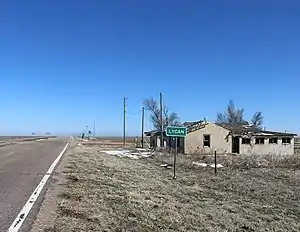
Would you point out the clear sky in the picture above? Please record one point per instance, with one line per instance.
(66, 63)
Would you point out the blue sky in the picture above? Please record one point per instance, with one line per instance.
(66, 63)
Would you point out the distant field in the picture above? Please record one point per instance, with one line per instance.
(112, 141)
(14, 138)
(119, 140)
(4, 138)
(116, 138)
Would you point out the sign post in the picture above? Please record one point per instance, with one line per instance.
(174, 164)
(174, 131)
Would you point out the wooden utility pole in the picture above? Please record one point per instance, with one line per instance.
(124, 122)
(143, 116)
(87, 132)
(94, 130)
(161, 122)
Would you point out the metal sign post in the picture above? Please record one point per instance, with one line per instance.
(174, 163)
(175, 132)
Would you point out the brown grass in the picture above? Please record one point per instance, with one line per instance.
(110, 141)
(107, 193)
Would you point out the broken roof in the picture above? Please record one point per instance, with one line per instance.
(237, 130)
(152, 132)
(248, 129)
(191, 126)
(196, 125)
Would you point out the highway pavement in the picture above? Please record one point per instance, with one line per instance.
(22, 167)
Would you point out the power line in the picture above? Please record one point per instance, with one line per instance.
(133, 113)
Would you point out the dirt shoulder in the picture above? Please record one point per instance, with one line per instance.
(100, 192)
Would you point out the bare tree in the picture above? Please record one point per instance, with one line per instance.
(257, 120)
(169, 119)
(233, 116)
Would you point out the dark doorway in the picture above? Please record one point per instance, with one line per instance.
(180, 144)
(236, 145)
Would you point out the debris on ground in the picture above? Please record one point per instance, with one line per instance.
(218, 166)
(200, 164)
(205, 165)
(132, 154)
(164, 165)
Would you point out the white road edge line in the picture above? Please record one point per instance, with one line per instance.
(16, 225)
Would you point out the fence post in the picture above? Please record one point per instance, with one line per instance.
(215, 162)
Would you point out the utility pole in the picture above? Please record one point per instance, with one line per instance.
(94, 130)
(161, 121)
(124, 122)
(143, 113)
(87, 132)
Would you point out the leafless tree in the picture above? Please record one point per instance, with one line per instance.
(233, 116)
(257, 120)
(169, 119)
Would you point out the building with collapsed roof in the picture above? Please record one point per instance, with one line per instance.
(206, 137)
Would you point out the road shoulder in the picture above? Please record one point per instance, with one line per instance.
(47, 214)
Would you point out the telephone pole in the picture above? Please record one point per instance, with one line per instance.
(94, 130)
(143, 113)
(161, 121)
(124, 122)
(87, 132)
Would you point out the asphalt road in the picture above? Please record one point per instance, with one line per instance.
(22, 166)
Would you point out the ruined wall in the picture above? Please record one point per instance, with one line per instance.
(218, 141)
(267, 149)
(158, 141)
(297, 145)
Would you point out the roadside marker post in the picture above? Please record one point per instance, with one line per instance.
(174, 163)
(215, 162)
(176, 132)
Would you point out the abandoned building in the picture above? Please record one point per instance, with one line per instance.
(206, 137)
(169, 142)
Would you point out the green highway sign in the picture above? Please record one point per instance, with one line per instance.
(176, 131)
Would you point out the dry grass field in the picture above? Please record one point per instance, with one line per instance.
(115, 141)
(7, 138)
(108, 193)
